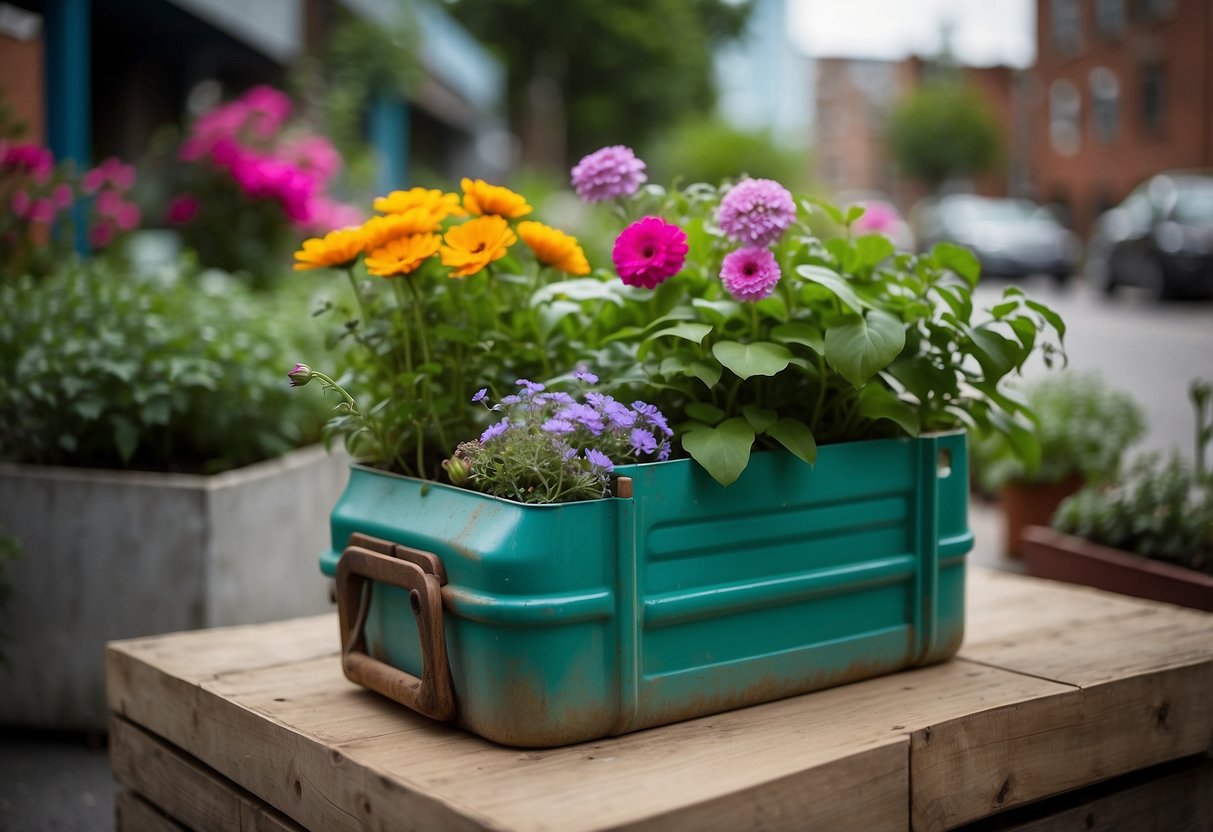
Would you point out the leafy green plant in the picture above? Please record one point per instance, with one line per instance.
(1161, 510)
(1083, 428)
(102, 368)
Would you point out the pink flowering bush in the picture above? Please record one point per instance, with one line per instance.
(39, 199)
(726, 307)
(256, 181)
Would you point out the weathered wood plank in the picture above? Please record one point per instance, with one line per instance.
(183, 788)
(133, 814)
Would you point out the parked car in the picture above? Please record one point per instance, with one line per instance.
(1160, 238)
(1011, 237)
(881, 216)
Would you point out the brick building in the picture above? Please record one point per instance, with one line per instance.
(1126, 91)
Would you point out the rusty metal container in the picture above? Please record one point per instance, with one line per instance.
(546, 625)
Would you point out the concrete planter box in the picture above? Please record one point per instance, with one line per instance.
(110, 555)
(1063, 557)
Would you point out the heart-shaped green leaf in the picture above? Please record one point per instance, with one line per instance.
(688, 330)
(761, 358)
(835, 282)
(723, 451)
(760, 418)
(877, 402)
(858, 348)
(800, 333)
(959, 259)
(704, 412)
(795, 435)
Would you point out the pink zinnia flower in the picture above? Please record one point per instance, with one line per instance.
(755, 212)
(127, 216)
(20, 203)
(107, 202)
(877, 216)
(62, 196)
(607, 173)
(182, 209)
(42, 210)
(101, 234)
(31, 158)
(649, 251)
(750, 274)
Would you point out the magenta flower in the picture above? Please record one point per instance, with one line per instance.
(20, 203)
(101, 234)
(649, 251)
(42, 210)
(750, 274)
(62, 196)
(31, 159)
(128, 216)
(182, 209)
(608, 173)
(877, 216)
(300, 375)
(756, 212)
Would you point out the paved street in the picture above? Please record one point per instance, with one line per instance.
(1149, 350)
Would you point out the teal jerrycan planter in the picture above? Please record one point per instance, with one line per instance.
(544, 625)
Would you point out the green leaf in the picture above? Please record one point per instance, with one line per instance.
(871, 249)
(859, 348)
(88, 408)
(959, 259)
(1001, 310)
(795, 435)
(1023, 441)
(1049, 315)
(126, 436)
(854, 212)
(1025, 330)
(723, 451)
(761, 358)
(832, 211)
(704, 412)
(958, 300)
(760, 418)
(800, 333)
(835, 282)
(877, 402)
(706, 371)
(155, 412)
(996, 354)
(719, 310)
(688, 330)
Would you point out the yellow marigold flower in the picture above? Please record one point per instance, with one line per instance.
(554, 248)
(402, 255)
(437, 204)
(337, 248)
(476, 243)
(377, 231)
(480, 197)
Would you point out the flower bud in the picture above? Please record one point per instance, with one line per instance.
(457, 470)
(300, 376)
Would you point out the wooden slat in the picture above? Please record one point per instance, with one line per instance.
(183, 788)
(269, 709)
(133, 814)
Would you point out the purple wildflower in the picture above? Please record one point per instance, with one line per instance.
(608, 173)
(618, 414)
(493, 431)
(481, 394)
(750, 274)
(569, 453)
(558, 426)
(643, 441)
(511, 399)
(663, 450)
(585, 375)
(597, 399)
(583, 414)
(531, 387)
(559, 398)
(599, 460)
(653, 416)
(756, 212)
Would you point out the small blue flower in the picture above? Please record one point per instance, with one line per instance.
(493, 431)
(481, 394)
(583, 374)
(510, 399)
(584, 415)
(558, 426)
(530, 387)
(618, 414)
(663, 450)
(599, 460)
(643, 441)
(560, 398)
(653, 416)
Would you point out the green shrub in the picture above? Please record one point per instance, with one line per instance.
(1083, 427)
(99, 368)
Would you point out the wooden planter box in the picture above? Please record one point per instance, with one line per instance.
(116, 554)
(1062, 557)
(1031, 504)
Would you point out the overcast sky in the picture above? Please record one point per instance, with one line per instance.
(984, 32)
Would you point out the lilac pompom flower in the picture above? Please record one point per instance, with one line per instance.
(756, 212)
(608, 173)
(649, 251)
(750, 274)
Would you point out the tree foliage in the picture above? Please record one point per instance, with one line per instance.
(944, 130)
(622, 69)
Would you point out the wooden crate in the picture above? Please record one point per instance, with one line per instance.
(1057, 688)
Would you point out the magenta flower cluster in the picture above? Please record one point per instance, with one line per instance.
(649, 251)
(250, 141)
(608, 173)
(756, 212)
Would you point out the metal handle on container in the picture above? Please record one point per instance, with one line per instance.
(368, 559)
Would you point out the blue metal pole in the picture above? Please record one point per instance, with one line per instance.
(389, 136)
(66, 26)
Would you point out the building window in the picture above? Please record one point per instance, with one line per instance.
(1065, 109)
(1111, 16)
(1153, 97)
(1105, 104)
(1067, 26)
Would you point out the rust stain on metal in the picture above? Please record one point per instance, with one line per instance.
(458, 542)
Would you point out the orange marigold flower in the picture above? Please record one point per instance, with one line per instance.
(402, 255)
(337, 248)
(437, 204)
(476, 243)
(554, 248)
(377, 231)
(480, 197)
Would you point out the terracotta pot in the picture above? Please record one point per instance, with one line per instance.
(1031, 504)
(1062, 557)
